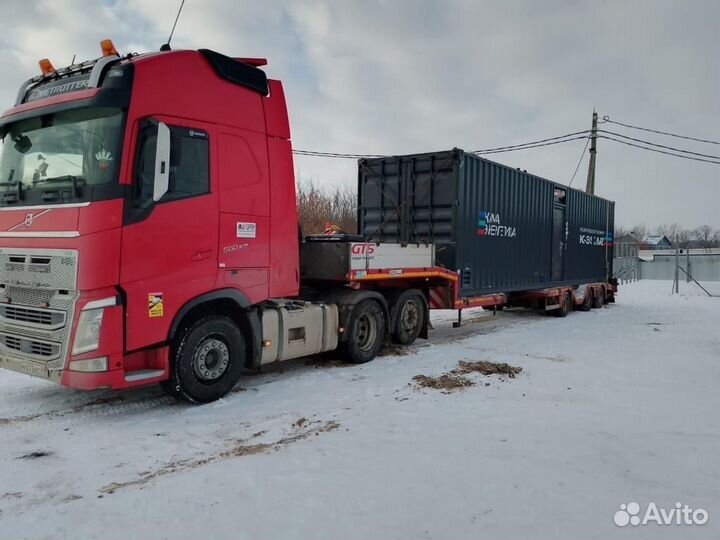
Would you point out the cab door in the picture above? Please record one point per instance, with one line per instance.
(169, 239)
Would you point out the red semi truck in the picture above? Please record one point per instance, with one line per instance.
(149, 234)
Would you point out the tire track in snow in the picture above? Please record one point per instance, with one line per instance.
(240, 448)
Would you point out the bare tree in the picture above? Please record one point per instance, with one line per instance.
(640, 232)
(682, 238)
(621, 231)
(706, 236)
(670, 231)
(319, 208)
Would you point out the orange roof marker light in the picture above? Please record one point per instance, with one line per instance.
(108, 49)
(46, 66)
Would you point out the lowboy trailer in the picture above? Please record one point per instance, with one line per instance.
(148, 234)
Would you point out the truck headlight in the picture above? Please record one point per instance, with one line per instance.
(87, 335)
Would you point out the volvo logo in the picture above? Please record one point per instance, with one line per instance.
(29, 220)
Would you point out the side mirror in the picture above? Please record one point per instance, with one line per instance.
(161, 181)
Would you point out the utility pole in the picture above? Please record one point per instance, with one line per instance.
(590, 188)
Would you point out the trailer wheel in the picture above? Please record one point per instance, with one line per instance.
(207, 360)
(565, 306)
(598, 298)
(587, 301)
(409, 315)
(365, 333)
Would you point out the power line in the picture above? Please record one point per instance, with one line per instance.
(582, 155)
(568, 137)
(513, 149)
(658, 151)
(521, 145)
(339, 155)
(659, 145)
(606, 119)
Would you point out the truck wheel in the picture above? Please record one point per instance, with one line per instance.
(365, 332)
(207, 360)
(410, 313)
(565, 306)
(587, 301)
(598, 299)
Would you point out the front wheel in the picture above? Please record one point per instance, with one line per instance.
(207, 360)
(365, 333)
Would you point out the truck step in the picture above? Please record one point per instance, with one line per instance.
(142, 374)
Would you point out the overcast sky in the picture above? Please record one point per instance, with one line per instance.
(396, 76)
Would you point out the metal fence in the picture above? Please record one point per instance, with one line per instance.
(701, 267)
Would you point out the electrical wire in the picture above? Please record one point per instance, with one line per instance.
(582, 155)
(568, 137)
(339, 155)
(606, 119)
(522, 145)
(672, 148)
(658, 151)
(487, 152)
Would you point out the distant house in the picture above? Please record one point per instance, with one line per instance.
(626, 246)
(656, 242)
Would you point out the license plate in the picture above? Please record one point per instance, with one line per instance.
(23, 366)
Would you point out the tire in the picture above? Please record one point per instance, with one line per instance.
(565, 306)
(598, 299)
(206, 361)
(365, 333)
(409, 315)
(587, 301)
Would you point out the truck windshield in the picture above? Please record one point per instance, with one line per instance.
(60, 157)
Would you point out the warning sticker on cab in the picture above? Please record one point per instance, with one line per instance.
(155, 304)
(246, 230)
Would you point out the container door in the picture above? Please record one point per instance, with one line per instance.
(558, 243)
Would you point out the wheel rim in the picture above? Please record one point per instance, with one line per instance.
(366, 332)
(410, 316)
(210, 359)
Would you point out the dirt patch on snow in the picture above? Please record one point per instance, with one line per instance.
(238, 449)
(446, 382)
(456, 379)
(486, 368)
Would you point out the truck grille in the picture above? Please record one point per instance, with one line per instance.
(30, 347)
(31, 316)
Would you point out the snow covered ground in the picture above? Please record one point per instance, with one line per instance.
(612, 406)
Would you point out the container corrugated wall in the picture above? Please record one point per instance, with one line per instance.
(505, 230)
(590, 235)
(502, 230)
(409, 199)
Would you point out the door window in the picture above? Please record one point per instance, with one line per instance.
(189, 163)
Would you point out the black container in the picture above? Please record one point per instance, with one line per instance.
(505, 230)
